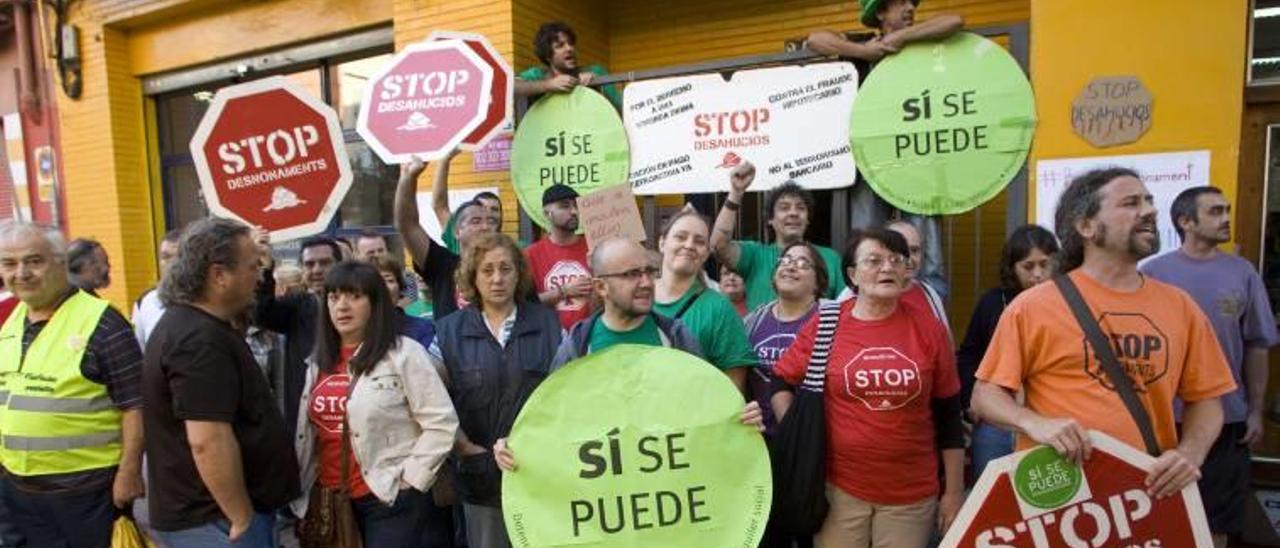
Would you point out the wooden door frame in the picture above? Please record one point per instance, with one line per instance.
(1261, 110)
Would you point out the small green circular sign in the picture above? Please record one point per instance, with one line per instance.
(636, 446)
(941, 127)
(576, 139)
(1046, 480)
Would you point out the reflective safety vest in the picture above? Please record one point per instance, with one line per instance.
(54, 420)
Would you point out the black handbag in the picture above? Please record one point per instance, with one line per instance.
(1107, 358)
(798, 448)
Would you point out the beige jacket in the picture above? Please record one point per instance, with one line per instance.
(402, 425)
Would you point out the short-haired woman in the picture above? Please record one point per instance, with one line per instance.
(375, 418)
(892, 402)
(495, 351)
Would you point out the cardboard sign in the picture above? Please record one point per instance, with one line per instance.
(573, 138)
(1035, 498)
(268, 153)
(941, 127)
(1165, 174)
(425, 101)
(610, 212)
(1112, 111)
(688, 133)
(636, 446)
(501, 113)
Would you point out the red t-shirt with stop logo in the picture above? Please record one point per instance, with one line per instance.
(554, 266)
(327, 406)
(881, 379)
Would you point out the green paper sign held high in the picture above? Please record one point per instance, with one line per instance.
(576, 139)
(636, 446)
(942, 127)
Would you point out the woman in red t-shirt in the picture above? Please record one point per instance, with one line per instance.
(378, 387)
(892, 402)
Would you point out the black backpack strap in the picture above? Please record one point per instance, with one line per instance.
(1103, 352)
(816, 375)
(685, 307)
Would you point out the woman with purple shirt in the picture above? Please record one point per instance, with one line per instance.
(799, 279)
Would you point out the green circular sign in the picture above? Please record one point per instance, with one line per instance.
(636, 446)
(572, 138)
(1046, 480)
(941, 127)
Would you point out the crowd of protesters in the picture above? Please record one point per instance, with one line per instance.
(344, 395)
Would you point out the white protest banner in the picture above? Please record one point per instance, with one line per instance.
(687, 133)
(1166, 174)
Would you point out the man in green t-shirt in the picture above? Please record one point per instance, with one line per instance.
(622, 275)
(788, 205)
(556, 46)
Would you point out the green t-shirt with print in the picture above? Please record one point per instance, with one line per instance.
(535, 74)
(715, 323)
(757, 260)
(602, 337)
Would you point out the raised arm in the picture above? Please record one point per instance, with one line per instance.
(826, 42)
(936, 28)
(440, 189)
(727, 250)
(405, 216)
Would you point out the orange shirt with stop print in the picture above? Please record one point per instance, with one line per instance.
(1158, 334)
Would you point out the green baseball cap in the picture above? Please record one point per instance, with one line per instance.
(869, 9)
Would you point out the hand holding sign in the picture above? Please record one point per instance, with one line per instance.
(741, 177)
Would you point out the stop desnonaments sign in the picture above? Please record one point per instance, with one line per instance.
(269, 153)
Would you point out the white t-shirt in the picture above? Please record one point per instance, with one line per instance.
(146, 314)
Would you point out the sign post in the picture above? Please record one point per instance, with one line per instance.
(942, 127)
(1035, 498)
(636, 446)
(426, 101)
(269, 154)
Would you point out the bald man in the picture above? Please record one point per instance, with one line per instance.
(623, 277)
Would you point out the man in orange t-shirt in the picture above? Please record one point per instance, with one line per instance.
(1107, 223)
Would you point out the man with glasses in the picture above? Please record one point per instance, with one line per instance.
(433, 262)
(624, 274)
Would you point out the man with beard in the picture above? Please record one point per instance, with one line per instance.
(558, 261)
(1166, 346)
(788, 206)
(88, 265)
(1230, 292)
(623, 279)
(557, 47)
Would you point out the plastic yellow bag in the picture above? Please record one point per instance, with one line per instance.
(125, 534)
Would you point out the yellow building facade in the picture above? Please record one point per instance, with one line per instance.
(117, 142)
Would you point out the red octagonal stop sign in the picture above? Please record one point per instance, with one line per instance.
(1036, 499)
(428, 99)
(270, 154)
(501, 107)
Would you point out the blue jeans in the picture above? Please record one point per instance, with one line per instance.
(59, 519)
(989, 443)
(400, 524)
(261, 534)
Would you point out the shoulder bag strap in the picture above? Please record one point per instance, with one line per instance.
(685, 307)
(1102, 351)
(816, 375)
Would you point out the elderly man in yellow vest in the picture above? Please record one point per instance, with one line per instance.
(70, 379)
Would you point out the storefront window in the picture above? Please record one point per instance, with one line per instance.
(178, 113)
(1265, 61)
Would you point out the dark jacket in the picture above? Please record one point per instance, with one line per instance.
(293, 316)
(674, 335)
(982, 326)
(489, 383)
